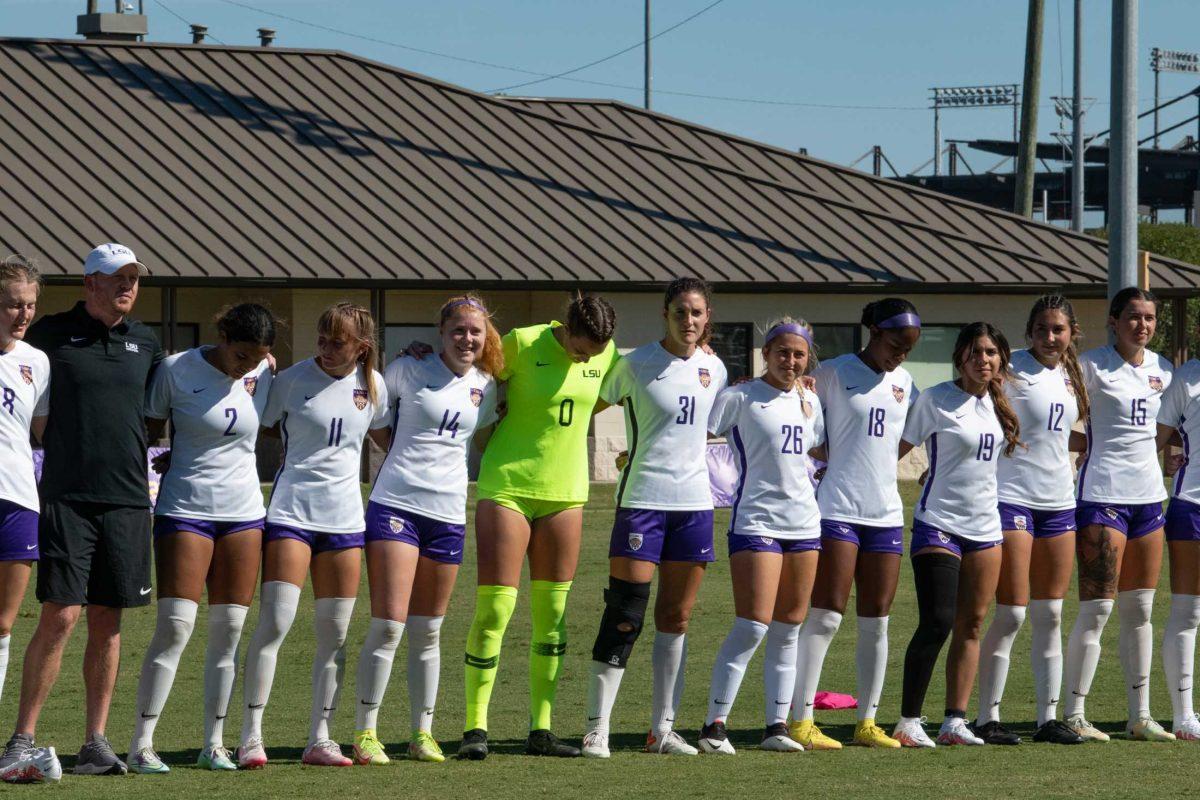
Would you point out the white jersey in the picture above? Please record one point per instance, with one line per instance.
(771, 433)
(24, 394)
(434, 414)
(864, 418)
(667, 403)
(214, 426)
(323, 421)
(1122, 462)
(1040, 474)
(964, 439)
(1181, 410)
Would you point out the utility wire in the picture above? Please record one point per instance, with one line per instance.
(180, 17)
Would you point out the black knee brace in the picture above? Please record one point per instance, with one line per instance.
(624, 611)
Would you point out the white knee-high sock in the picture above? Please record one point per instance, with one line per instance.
(424, 667)
(225, 623)
(1046, 656)
(994, 652)
(374, 669)
(276, 613)
(1137, 647)
(1179, 654)
(172, 629)
(670, 654)
(730, 667)
(815, 636)
(332, 623)
(604, 681)
(870, 660)
(1083, 651)
(4, 642)
(779, 671)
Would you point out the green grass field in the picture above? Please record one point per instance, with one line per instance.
(1117, 769)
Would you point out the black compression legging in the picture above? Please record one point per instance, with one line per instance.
(936, 577)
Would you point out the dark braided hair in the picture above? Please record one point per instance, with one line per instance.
(1070, 357)
(686, 284)
(591, 316)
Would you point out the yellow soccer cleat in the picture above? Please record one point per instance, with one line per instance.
(810, 737)
(868, 734)
(1146, 729)
(368, 750)
(424, 747)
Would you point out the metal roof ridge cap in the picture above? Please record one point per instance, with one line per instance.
(272, 50)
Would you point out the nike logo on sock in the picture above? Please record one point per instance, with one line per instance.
(721, 702)
(260, 705)
(1188, 689)
(807, 705)
(149, 716)
(220, 717)
(331, 709)
(365, 703)
(1140, 685)
(787, 701)
(593, 719)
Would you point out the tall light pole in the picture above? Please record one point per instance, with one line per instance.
(1004, 94)
(1027, 147)
(1077, 146)
(1169, 61)
(646, 100)
(1122, 152)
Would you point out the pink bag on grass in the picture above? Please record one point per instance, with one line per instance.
(828, 701)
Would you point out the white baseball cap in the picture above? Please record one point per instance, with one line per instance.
(108, 258)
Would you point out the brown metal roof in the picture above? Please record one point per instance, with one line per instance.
(310, 166)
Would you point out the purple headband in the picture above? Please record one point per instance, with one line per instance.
(465, 301)
(905, 320)
(788, 327)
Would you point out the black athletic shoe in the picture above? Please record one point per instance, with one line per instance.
(1056, 732)
(474, 745)
(995, 733)
(544, 743)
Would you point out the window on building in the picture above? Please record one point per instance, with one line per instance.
(399, 336)
(733, 342)
(836, 340)
(187, 334)
(930, 361)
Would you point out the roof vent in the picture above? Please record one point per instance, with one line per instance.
(122, 25)
(266, 36)
(198, 33)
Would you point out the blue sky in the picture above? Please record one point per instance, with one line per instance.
(878, 53)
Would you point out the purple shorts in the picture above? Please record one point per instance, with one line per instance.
(210, 529)
(433, 538)
(869, 539)
(18, 532)
(1041, 523)
(925, 535)
(651, 535)
(319, 542)
(739, 542)
(1135, 521)
(1183, 521)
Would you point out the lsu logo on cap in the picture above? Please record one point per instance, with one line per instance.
(251, 384)
(395, 524)
(635, 541)
(360, 399)
(1155, 383)
(898, 393)
(705, 377)
(1020, 522)
(26, 373)
(476, 397)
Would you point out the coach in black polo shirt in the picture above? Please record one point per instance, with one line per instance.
(94, 533)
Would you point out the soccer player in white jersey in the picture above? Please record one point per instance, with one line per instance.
(866, 398)
(774, 530)
(1180, 414)
(1037, 513)
(416, 518)
(664, 516)
(323, 408)
(966, 424)
(24, 404)
(1119, 515)
(208, 520)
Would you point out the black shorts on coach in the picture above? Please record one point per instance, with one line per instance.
(94, 553)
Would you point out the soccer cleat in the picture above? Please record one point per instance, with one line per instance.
(474, 745)
(955, 731)
(1147, 729)
(868, 734)
(1056, 732)
(714, 739)
(1086, 730)
(15, 750)
(1188, 730)
(809, 736)
(595, 745)
(994, 733)
(544, 743)
(147, 762)
(368, 750)
(777, 740)
(251, 754)
(909, 732)
(424, 747)
(217, 759)
(325, 753)
(32, 765)
(97, 758)
(671, 744)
